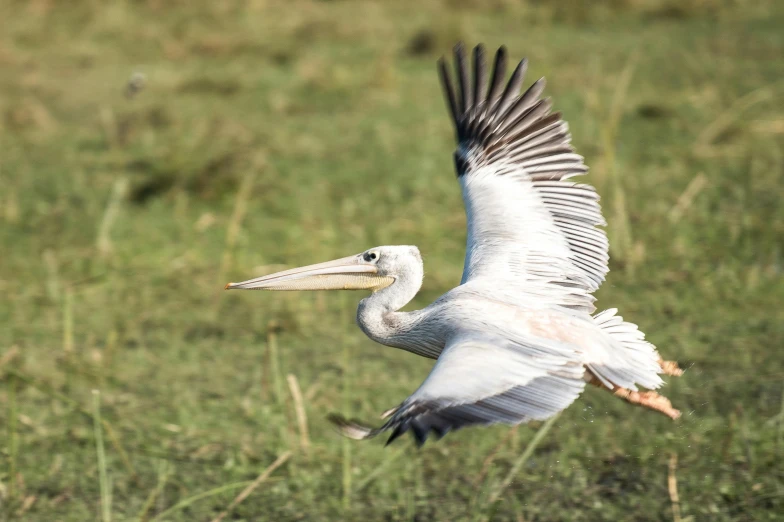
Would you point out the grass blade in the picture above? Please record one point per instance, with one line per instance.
(163, 478)
(672, 488)
(346, 461)
(195, 498)
(51, 392)
(365, 482)
(253, 485)
(106, 500)
(12, 440)
(302, 416)
(104, 241)
(529, 450)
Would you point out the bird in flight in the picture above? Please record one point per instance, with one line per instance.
(518, 340)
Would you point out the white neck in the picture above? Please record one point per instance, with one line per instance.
(378, 314)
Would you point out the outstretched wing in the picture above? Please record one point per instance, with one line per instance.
(484, 379)
(527, 225)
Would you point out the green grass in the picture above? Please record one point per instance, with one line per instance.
(283, 134)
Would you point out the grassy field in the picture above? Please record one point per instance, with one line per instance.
(274, 133)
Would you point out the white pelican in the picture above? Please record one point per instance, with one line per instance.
(516, 341)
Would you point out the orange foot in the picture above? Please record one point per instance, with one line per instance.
(649, 399)
(670, 368)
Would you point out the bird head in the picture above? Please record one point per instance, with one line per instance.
(374, 269)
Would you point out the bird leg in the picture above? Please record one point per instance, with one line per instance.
(670, 368)
(647, 399)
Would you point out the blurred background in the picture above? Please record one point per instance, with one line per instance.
(152, 151)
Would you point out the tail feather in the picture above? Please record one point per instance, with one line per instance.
(632, 356)
(631, 360)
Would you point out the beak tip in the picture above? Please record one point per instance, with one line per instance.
(228, 286)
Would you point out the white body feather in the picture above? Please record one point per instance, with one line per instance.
(516, 340)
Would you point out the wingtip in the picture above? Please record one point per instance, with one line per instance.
(398, 431)
(350, 429)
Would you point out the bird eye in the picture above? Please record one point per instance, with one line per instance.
(370, 256)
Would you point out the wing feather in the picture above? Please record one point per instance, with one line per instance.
(532, 114)
(482, 379)
(523, 104)
(511, 92)
(499, 73)
(480, 76)
(449, 89)
(514, 157)
(461, 69)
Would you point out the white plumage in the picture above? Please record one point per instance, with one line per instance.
(516, 341)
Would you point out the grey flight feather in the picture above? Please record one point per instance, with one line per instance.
(501, 381)
(480, 75)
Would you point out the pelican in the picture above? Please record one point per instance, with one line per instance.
(518, 340)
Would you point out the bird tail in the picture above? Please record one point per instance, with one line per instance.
(636, 348)
(643, 364)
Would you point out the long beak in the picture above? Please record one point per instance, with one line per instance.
(348, 273)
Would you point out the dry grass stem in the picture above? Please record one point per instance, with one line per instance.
(686, 198)
(195, 498)
(529, 450)
(313, 389)
(621, 243)
(253, 485)
(672, 487)
(163, 477)
(118, 447)
(52, 279)
(768, 126)
(9, 356)
(510, 434)
(13, 443)
(302, 416)
(238, 214)
(618, 105)
(104, 240)
(274, 364)
(27, 503)
(109, 124)
(365, 482)
(68, 332)
(106, 499)
(735, 111)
